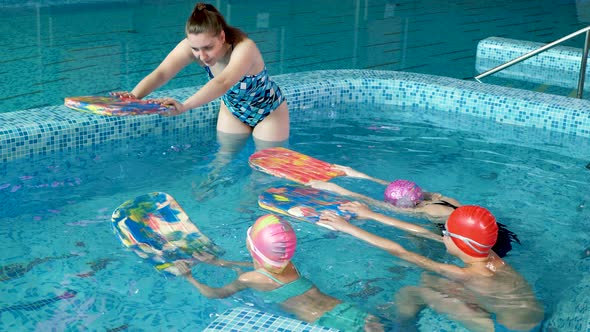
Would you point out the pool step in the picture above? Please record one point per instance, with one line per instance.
(542, 88)
(573, 94)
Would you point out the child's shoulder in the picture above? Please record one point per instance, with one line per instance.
(256, 280)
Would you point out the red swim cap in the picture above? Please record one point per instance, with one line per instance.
(473, 229)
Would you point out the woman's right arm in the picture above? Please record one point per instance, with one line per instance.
(180, 57)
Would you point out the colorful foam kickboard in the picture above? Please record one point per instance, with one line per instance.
(292, 165)
(157, 229)
(114, 106)
(302, 203)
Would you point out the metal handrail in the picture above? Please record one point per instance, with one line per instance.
(543, 49)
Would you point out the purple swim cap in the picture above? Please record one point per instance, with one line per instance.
(403, 194)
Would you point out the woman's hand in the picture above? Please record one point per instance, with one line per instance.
(123, 94)
(174, 106)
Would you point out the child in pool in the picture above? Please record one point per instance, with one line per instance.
(486, 294)
(271, 241)
(403, 196)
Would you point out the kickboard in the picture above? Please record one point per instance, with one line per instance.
(302, 203)
(157, 229)
(292, 165)
(113, 106)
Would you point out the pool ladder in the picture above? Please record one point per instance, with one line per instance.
(541, 49)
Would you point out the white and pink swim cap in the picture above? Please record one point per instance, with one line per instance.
(272, 242)
(403, 194)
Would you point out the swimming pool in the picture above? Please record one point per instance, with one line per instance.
(64, 172)
(58, 48)
(414, 126)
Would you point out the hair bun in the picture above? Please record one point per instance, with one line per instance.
(201, 6)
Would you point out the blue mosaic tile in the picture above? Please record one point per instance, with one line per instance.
(558, 66)
(244, 319)
(40, 131)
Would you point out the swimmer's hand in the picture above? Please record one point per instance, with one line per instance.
(183, 268)
(350, 171)
(361, 210)
(204, 257)
(174, 106)
(347, 170)
(335, 222)
(123, 94)
(432, 196)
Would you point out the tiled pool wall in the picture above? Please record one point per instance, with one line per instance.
(41, 131)
(249, 319)
(558, 66)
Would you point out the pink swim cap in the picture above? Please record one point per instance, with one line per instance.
(272, 242)
(473, 229)
(403, 193)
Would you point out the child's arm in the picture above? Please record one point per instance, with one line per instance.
(356, 174)
(211, 292)
(332, 187)
(364, 212)
(340, 224)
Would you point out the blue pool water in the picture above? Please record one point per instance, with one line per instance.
(62, 173)
(60, 206)
(51, 51)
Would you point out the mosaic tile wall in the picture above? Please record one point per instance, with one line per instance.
(244, 319)
(37, 132)
(559, 66)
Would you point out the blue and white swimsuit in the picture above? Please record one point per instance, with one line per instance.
(253, 98)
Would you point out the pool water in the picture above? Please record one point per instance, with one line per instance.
(53, 50)
(57, 209)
